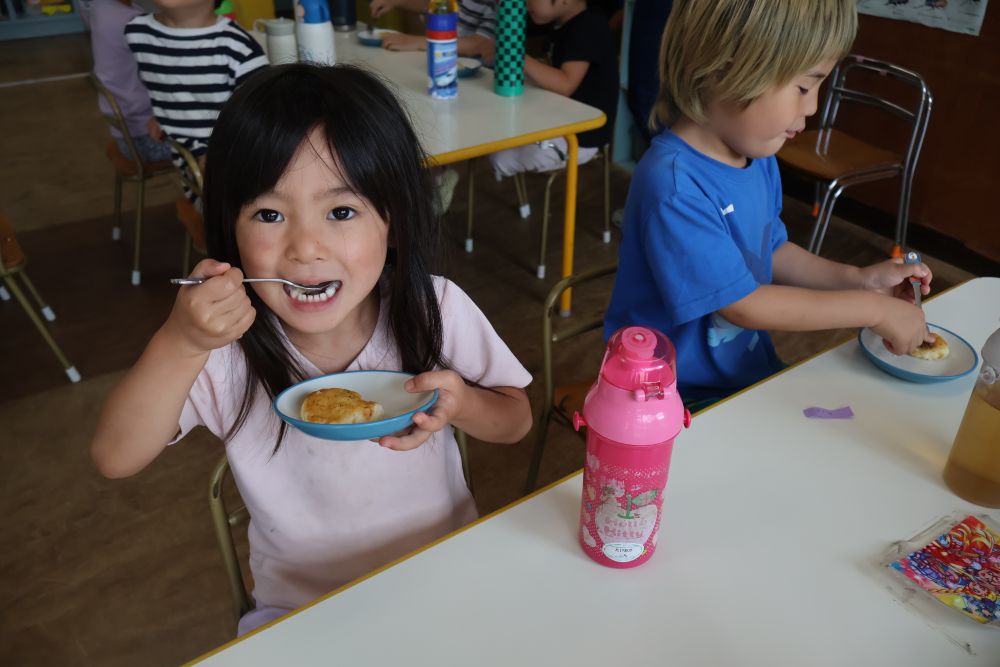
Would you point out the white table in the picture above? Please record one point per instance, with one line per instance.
(479, 122)
(773, 528)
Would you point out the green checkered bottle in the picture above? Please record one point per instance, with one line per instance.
(508, 64)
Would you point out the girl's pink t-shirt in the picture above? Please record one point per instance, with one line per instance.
(324, 513)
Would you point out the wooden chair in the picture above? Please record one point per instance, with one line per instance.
(187, 213)
(562, 401)
(524, 208)
(128, 168)
(839, 160)
(12, 264)
(224, 520)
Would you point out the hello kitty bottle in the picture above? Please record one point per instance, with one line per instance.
(632, 413)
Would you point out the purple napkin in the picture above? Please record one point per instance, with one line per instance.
(822, 413)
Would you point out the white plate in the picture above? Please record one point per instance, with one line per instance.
(961, 360)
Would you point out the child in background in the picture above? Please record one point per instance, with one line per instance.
(584, 67)
(318, 176)
(476, 25)
(116, 69)
(704, 254)
(190, 61)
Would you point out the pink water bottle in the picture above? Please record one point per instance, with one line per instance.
(632, 414)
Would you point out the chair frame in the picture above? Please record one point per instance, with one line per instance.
(193, 180)
(224, 521)
(551, 336)
(919, 115)
(142, 174)
(524, 208)
(10, 286)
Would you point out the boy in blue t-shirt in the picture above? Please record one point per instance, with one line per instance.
(705, 257)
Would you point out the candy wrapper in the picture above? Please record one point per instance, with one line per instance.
(956, 562)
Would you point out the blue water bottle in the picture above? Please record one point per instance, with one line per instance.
(442, 49)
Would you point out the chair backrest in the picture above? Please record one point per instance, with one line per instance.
(551, 336)
(847, 84)
(11, 254)
(224, 521)
(191, 177)
(117, 121)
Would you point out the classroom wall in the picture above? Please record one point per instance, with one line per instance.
(959, 169)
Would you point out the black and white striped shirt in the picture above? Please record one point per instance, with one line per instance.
(191, 72)
(477, 17)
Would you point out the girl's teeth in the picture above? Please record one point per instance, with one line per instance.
(310, 296)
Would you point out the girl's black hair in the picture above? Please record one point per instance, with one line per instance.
(255, 137)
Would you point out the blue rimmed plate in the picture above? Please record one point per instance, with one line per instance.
(373, 37)
(468, 67)
(385, 387)
(961, 360)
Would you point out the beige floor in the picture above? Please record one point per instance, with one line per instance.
(127, 572)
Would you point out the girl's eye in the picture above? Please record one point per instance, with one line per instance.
(342, 213)
(268, 215)
(803, 91)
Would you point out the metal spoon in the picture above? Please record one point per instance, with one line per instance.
(913, 257)
(309, 288)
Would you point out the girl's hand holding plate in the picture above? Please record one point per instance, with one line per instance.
(451, 395)
(211, 315)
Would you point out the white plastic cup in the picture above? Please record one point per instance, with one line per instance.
(281, 44)
(316, 43)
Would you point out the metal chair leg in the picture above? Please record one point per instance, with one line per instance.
(607, 193)
(471, 207)
(825, 213)
(43, 307)
(523, 206)
(136, 275)
(68, 368)
(543, 240)
(539, 447)
(463, 451)
(116, 231)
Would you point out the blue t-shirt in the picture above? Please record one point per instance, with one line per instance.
(698, 235)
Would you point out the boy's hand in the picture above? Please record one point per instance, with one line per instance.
(451, 394)
(211, 315)
(380, 7)
(892, 277)
(399, 41)
(155, 131)
(903, 327)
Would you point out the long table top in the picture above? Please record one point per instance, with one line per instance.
(773, 530)
(478, 122)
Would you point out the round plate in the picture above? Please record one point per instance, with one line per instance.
(961, 360)
(385, 387)
(468, 67)
(373, 37)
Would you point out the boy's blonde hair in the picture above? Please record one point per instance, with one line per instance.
(734, 50)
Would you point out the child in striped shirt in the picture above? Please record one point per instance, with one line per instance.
(190, 61)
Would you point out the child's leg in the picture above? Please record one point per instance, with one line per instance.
(545, 155)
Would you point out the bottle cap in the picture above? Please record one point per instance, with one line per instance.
(639, 357)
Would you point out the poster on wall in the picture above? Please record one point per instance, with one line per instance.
(964, 16)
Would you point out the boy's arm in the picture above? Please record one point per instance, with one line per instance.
(477, 46)
(380, 7)
(562, 80)
(794, 265)
(787, 308)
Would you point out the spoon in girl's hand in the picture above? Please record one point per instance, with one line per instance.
(309, 288)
